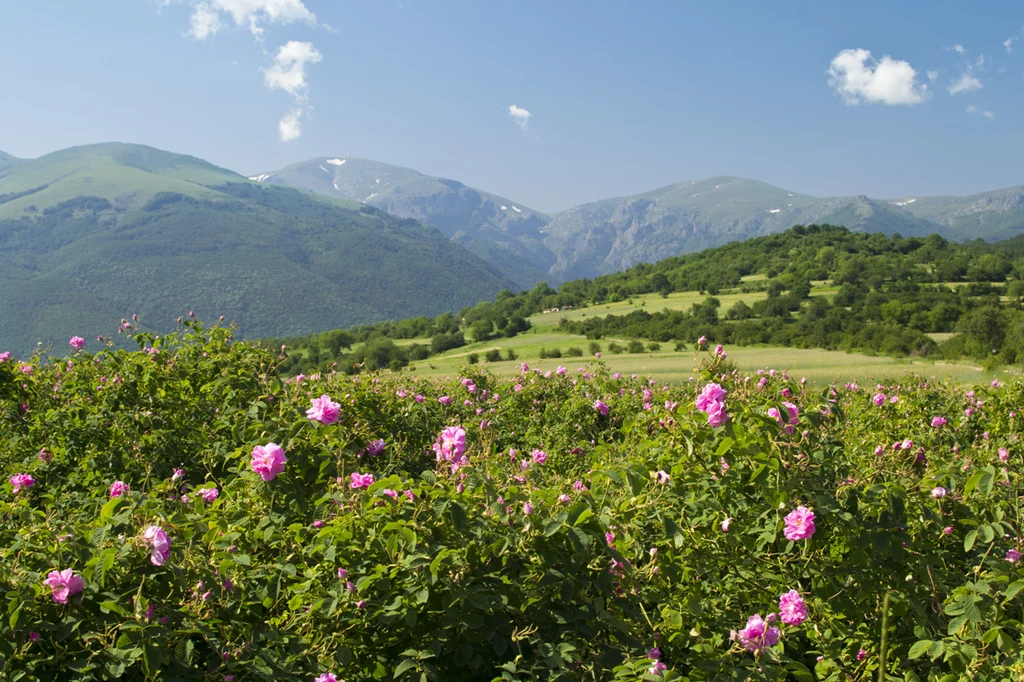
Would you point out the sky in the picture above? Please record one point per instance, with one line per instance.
(550, 104)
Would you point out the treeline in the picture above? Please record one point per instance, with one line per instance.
(891, 292)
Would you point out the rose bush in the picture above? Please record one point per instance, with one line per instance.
(381, 527)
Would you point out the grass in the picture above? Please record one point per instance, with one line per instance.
(652, 303)
(670, 366)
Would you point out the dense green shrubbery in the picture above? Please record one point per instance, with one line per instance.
(571, 544)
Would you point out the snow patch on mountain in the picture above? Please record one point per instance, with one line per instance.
(336, 162)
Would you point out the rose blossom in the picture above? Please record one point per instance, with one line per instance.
(799, 524)
(268, 460)
(159, 543)
(324, 410)
(65, 584)
(792, 609)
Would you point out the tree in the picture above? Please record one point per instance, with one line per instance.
(481, 330)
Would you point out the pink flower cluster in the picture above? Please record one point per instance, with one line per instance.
(77, 342)
(324, 410)
(20, 481)
(119, 489)
(601, 408)
(799, 524)
(792, 609)
(711, 402)
(360, 480)
(451, 447)
(268, 460)
(758, 635)
(793, 418)
(64, 584)
(208, 494)
(160, 545)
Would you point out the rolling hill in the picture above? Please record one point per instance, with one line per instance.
(613, 234)
(89, 235)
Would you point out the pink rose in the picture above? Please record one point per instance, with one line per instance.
(65, 584)
(268, 460)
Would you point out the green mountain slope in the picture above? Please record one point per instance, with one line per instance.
(96, 233)
(7, 162)
(502, 232)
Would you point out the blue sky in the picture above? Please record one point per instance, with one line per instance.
(623, 96)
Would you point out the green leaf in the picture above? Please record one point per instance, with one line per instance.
(987, 534)
(458, 513)
(584, 516)
(404, 667)
(972, 483)
(969, 540)
(1013, 589)
(107, 511)
(988, 478)
(918, 649)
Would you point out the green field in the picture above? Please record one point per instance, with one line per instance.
(670, 366)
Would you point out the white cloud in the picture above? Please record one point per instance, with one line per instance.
(1008, 44)
(857, 78)
(290, 126)
(288, 73)
(971, 109)
(965, 83)
(932, 75)
(208, 15)
(204, 22)
(520, 116)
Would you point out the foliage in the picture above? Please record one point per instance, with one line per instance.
(566, 566)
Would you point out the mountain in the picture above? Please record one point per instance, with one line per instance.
(993, 215)
(613, 234)
(7, 161)
(504, 233)
(91, 234)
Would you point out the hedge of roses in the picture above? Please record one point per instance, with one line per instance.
(179, 513)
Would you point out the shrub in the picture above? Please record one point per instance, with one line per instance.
(635, 346)
(615, 348)
(641, 526)
(654, 346)
(510, 354)
(493, 355)
(473, 358)
(593, 347)
(574, 352)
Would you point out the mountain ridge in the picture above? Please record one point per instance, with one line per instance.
(611, 234)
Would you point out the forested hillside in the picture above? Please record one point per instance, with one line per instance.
(815, 287)
(97, 233)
